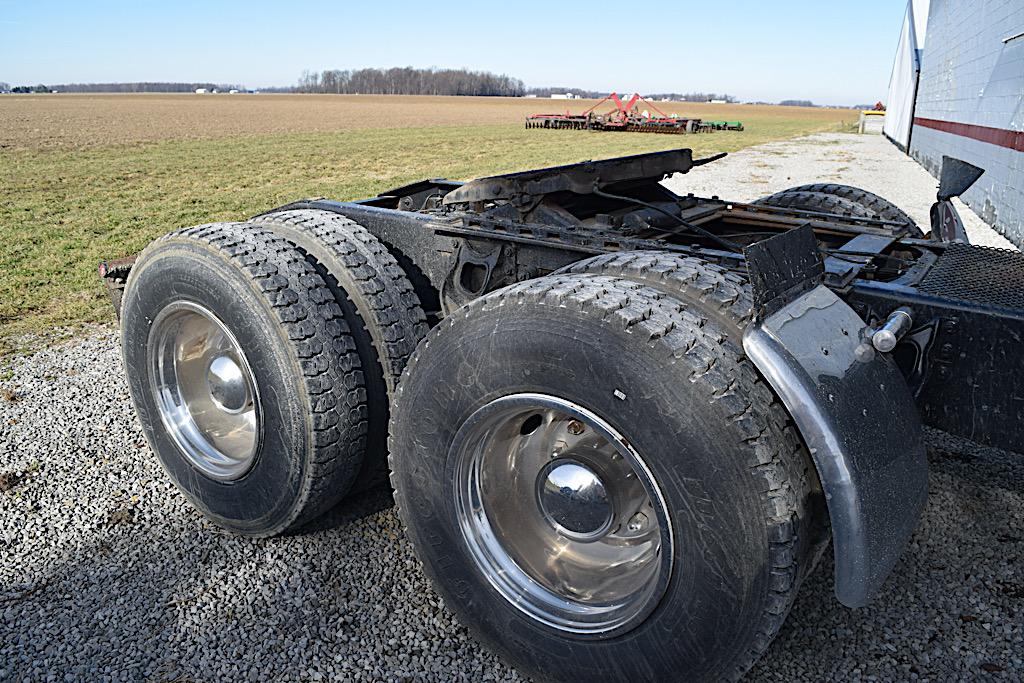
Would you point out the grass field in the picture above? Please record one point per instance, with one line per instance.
(86, 177)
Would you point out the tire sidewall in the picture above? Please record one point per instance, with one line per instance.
(263, 500)
(720, 565)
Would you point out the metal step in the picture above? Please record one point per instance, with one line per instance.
(978, 275)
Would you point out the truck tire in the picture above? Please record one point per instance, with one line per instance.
(382, 311)
(523, 429)
(722, 297)
(244, 376)
(879, 206)
(844, 200)
(816, 201)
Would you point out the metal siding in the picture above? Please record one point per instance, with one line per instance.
(970, 76)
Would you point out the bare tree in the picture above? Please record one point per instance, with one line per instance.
(410, 81)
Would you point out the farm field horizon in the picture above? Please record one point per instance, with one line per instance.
(77, 121)
(88, 177)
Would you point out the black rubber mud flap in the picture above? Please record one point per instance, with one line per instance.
(855, 412)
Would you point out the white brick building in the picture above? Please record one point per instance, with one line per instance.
(969, 100)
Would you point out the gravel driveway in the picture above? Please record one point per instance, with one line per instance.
(106, 571)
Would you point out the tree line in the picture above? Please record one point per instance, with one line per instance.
(118, 87)
(393, 81)
(410, 81)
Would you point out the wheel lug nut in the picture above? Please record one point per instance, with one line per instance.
(637, 522)
(576, 427)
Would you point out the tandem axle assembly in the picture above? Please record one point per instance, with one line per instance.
(622, 425)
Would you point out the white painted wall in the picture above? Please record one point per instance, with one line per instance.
(971, 73)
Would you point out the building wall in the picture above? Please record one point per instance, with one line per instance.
(970, 103)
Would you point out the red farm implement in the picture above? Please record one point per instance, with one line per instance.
(626, 116)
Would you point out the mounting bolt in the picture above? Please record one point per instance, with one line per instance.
(576, 427)
(637, 522)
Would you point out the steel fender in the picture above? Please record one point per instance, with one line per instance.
(860, 423)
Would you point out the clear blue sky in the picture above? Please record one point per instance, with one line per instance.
(830, 52)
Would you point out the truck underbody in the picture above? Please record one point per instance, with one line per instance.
(863, 327)
(467, 239)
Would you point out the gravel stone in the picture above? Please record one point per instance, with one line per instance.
(107, 573)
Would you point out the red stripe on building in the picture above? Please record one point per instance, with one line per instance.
(1011, 139)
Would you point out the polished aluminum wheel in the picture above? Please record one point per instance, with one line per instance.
(561, 515)
(204, 390)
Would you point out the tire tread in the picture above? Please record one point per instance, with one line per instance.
(844, 200)
(390, 302)
(880, 206)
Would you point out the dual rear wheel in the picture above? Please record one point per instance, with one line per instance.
(262, 360)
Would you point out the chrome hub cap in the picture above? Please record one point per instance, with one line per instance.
(228, 387)
(574, 500)
(204, 389)
(561, 515)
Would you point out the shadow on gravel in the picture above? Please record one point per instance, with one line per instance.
(107, 573)
(952, 608)
(354, 507)
(172, 599)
